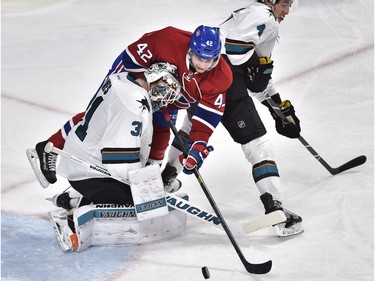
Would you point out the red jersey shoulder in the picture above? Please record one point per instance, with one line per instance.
(169, 44)
(221, 75)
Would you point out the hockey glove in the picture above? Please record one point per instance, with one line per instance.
(260, 75)
(198, 151)
(185, 139)
(290, 129)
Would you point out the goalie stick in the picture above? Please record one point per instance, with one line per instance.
(185, 206)
(334, 171)
(260, 268)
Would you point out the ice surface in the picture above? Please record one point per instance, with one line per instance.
(55, 54)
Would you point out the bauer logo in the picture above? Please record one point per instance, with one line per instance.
(100, 170)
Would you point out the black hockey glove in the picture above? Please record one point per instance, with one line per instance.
(260, 75)
(290, 128)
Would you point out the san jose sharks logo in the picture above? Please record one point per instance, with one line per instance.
(144, 104)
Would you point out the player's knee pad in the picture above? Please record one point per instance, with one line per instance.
(259, 153)
(258, 150)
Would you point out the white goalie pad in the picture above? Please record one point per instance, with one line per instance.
(34, 162)
(113, 224)
(63, 233)
(148, 192)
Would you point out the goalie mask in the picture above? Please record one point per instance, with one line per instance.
(167, 88)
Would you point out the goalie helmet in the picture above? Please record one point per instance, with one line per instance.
(273, 2)
(167, 88)
(205, 42)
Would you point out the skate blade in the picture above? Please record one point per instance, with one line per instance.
(283, 232)
(33, 159)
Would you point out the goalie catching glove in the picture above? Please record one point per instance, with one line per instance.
(290, 128)
(260, 75)
(197, 153)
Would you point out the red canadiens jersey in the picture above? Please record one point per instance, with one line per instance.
(208, 89)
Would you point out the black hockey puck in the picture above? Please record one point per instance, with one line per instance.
(205, 272)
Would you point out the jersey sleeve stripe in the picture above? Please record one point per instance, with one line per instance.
(120, 155)
(235, 47)
(207, 124)
(208, 116)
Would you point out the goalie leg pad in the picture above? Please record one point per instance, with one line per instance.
(113, 224)
(148, 192)
(105, 224)
(67, 239)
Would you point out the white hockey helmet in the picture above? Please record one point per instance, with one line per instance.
(167, 88)
(294, 4)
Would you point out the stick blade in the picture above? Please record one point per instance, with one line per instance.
(351, 164)
(259, 268)
(264, 221)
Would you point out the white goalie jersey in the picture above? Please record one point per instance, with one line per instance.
(115, 133)
(253, 28)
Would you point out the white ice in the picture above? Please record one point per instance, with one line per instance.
(54, 56)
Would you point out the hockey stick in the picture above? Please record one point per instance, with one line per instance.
(260, 268)
(334, 171)
(185, 206)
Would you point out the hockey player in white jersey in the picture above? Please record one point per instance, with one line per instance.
(250, 35)
(115, 134)
(116, 131)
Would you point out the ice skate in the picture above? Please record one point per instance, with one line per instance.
(292, 225)
(171, 183)
(47, 162)
(67, 200)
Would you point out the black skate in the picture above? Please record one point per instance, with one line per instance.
(47, 162)
(169, 176)
(69, 200)
(293, 223)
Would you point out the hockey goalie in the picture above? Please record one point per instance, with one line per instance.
(116, 197)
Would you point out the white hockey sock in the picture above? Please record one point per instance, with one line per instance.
(259, 152)
(270, 185)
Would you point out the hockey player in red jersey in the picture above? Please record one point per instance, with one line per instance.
(205, 78)
(250, 35)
